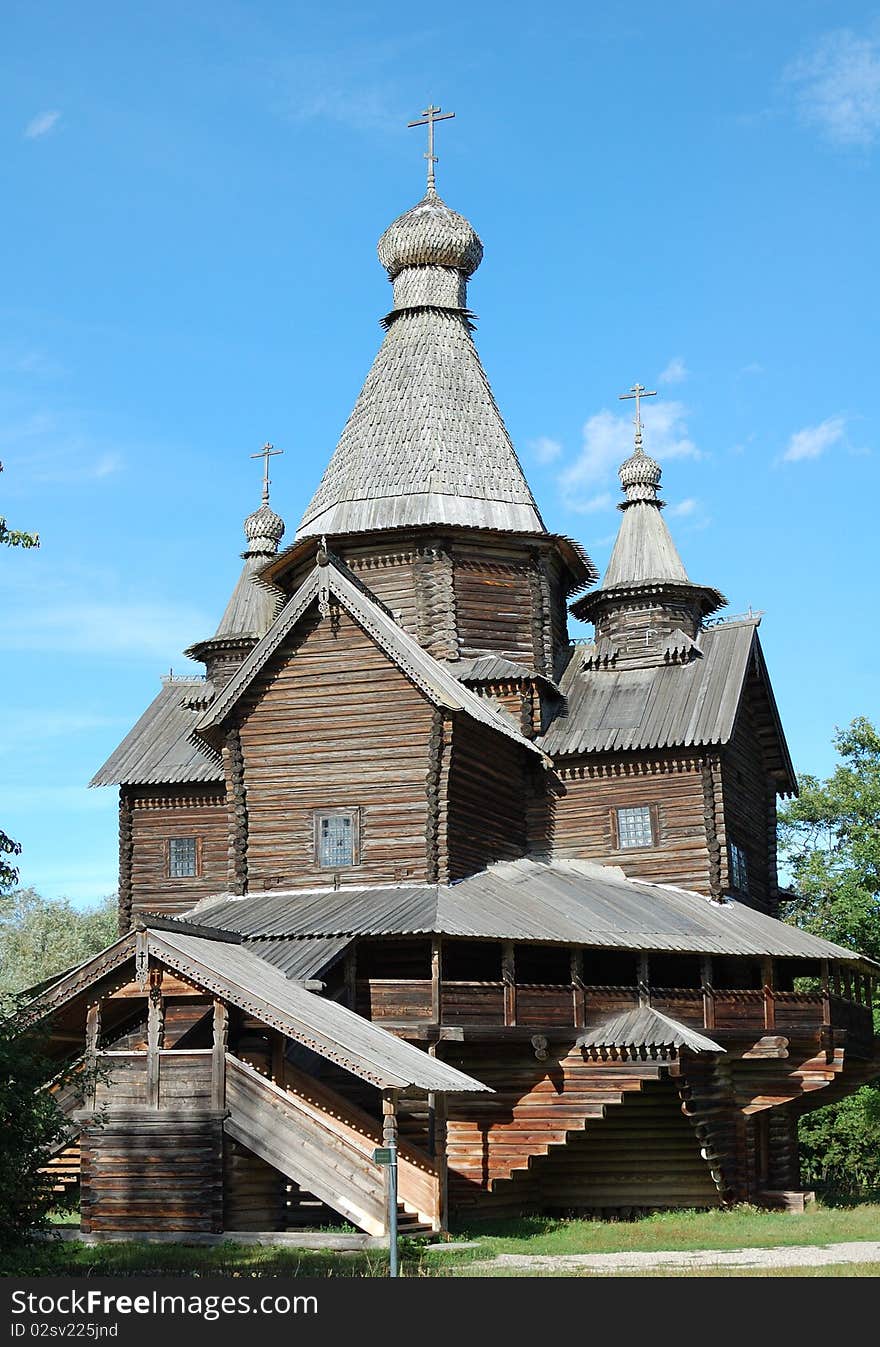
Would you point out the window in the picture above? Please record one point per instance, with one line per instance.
(739, 871)
(635, 826)
(544, 965)
(471, 961)
(336, 839)
(183, 857)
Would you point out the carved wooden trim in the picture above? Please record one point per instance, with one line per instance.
(237, 808)
(178, 802)
(433, 790)
(623, 767)
(126, 852)
(711, 789)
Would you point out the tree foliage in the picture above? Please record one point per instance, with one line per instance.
(830, 845)
(15, 537)
(40, 938)
(31, 1126)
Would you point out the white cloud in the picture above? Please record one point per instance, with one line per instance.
(814, 440)
(26, 726)
(675, 372)
(684, 508)
(837, 87)
(545, 449)
(41, 125)
(114, 629)
(608, 440)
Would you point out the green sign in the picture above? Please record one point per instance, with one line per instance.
(383, 1155)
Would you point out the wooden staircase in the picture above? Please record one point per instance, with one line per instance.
(325, 1145)
(509, 1130)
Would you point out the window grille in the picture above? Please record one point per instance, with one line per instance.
(739, 870)
(336, 839)
(635, 827)
(182, 857)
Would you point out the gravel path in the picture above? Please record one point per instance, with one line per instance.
(793, 1255)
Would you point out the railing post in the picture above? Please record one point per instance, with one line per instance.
(826, 992)
(708, 992)
(351, 978)
(218, 1060)
(644, 987)
(93, 1042)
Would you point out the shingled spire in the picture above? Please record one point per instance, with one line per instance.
(252, 607)
(425, 443)
(647, 606)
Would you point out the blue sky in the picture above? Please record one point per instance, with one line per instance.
(683, 194)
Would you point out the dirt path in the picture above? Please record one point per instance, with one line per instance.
(796, 1255)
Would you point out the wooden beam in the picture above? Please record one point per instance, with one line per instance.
(155, 1036)
(579, 998)
(436, 954)
(708, 992)
(508, 973)
(767, 983)
(218, 1060)
(644, 987)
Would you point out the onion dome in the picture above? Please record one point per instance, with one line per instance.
(640, 475)
(264, 530)
(430, 234)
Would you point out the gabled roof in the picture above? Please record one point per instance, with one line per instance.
(645, 1028)
(675, 705)
(568, 902)
(237, 974)
(159, 748)
(427, 673)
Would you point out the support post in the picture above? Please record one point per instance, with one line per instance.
(508, 974)
(155, 1035)
(708, 992)
(218, 1059)
(435, 980)
(389, 1141)
(351, 978)
(93, 1040)
(826, 992)
(769, 1002)
(578, 994)
(440, 1120)
(644, 988)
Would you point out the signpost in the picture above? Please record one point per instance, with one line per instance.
(387, 1155)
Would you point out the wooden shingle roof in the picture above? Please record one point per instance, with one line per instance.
(159, 748)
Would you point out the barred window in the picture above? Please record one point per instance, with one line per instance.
(336, 839)
(183, 857)
(739, 870)
(635, 827)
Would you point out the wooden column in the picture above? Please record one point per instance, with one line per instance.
(389, 1137)
(578, 994)
(826, 992)
(440, 1116)
(769, 1002)
(644, 989)
(155, 1036)
(277, 1060)
(218, 1059)
(708, 992)
(93, 1042)
(436, 1003)
(351, 978)
(508, 973)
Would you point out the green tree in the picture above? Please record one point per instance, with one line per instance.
(8, 847)
(830, 845)
(40, 938)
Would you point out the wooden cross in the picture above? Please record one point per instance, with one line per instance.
(267, 452)
(638, 391)
(428, 118)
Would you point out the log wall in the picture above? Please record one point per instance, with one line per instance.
(333, 724)
(585, 793)
(488, 786)
(149, 818)
(159, 1172)
(749, 803)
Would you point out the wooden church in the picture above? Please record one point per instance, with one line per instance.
(407, 863)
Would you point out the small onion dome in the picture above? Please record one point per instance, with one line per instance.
(640, 475)
(264, 530)
(430, 235)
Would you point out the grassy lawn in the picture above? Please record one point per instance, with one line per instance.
(743, 1227)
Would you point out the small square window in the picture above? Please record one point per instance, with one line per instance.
(739, 870)
(336, 839)
(635, 827)
(183, 857)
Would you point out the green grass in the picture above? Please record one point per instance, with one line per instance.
(740, 1228)
(743, 1227)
